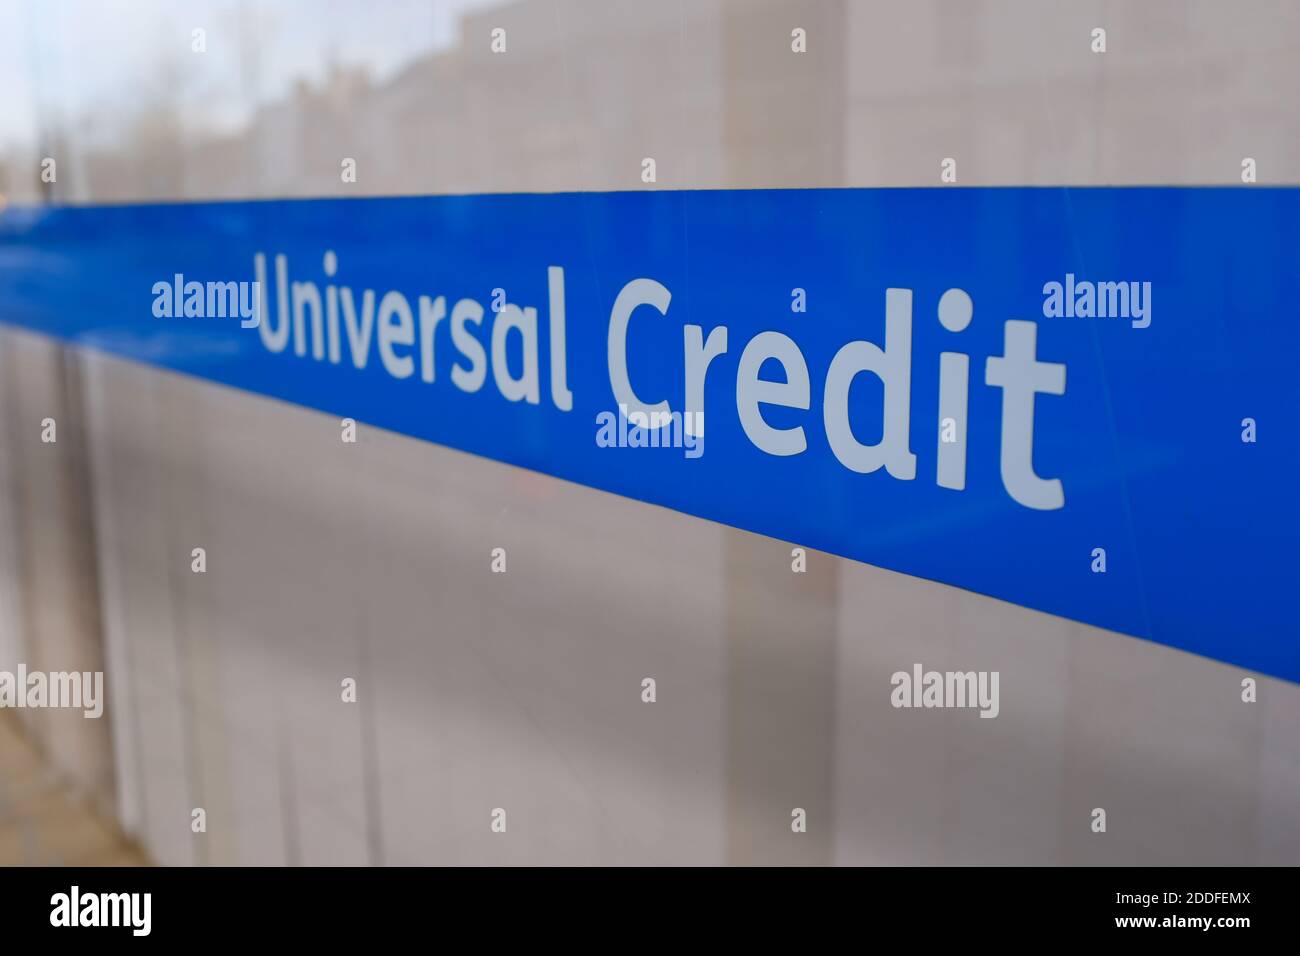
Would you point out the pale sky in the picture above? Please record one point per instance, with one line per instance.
(79, 58)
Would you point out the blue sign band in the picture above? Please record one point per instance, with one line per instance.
(1083, 401)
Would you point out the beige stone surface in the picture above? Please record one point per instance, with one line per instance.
(43, 822)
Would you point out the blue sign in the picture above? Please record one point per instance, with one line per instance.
(1083, 401)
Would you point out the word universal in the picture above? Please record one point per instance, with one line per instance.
(411, 336)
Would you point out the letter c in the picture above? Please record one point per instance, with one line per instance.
(635, 293)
